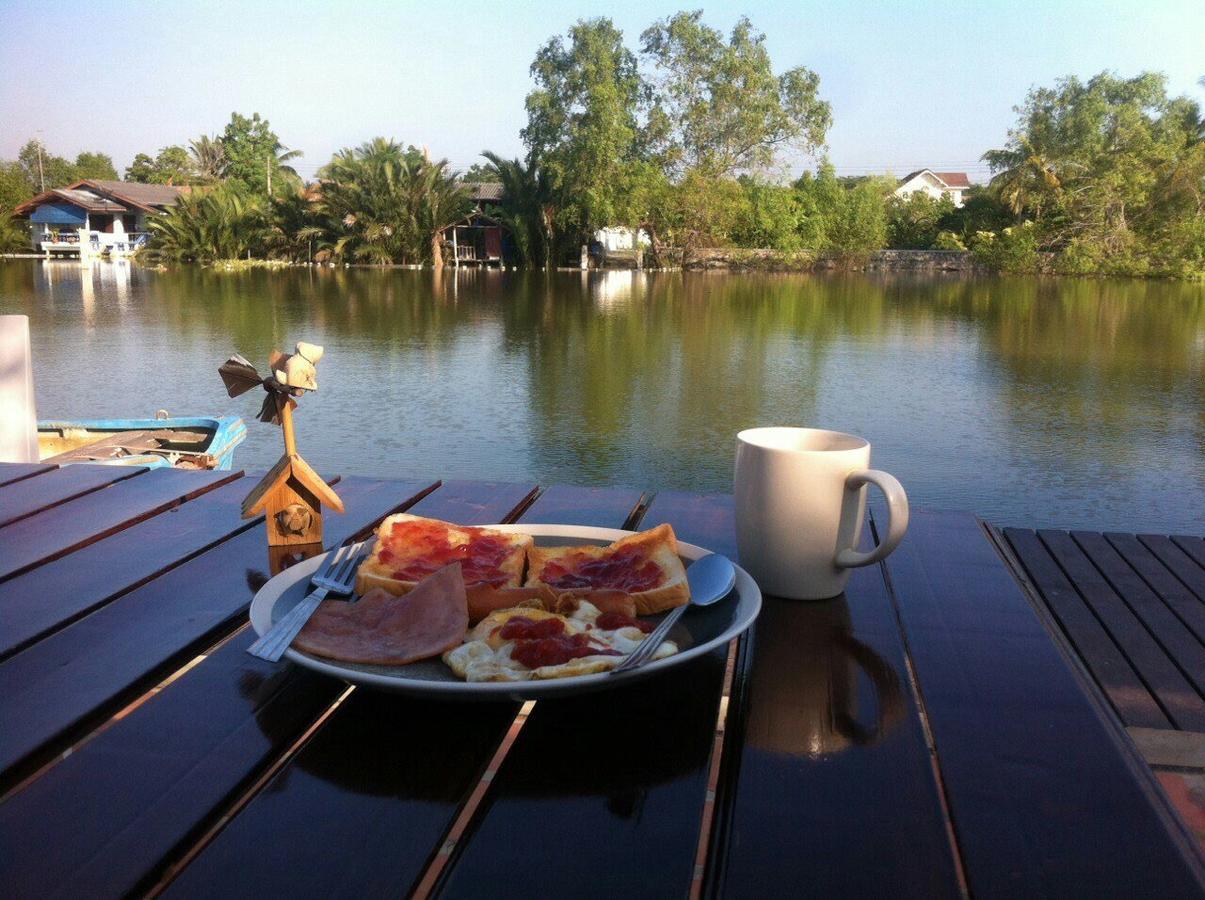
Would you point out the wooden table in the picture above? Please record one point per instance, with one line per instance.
(924, 735)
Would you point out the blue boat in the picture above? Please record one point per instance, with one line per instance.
(205, 442)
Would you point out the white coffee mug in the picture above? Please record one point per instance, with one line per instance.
(800, 504)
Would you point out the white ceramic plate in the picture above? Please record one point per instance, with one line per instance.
(698, 631)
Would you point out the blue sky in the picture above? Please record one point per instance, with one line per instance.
(911, 84)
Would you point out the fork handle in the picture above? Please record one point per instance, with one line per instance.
(276, 640)
(651, 644)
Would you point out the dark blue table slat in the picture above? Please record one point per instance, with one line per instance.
(826, 783)
(11, 472)
(75, 523)
(1047, 796)
(81, 671)
(24, 498)
(46, 598)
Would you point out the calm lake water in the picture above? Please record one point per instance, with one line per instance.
(1039, 402)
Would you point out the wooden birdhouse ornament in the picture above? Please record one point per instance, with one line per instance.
(291, 495)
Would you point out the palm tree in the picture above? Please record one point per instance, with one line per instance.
(1025, 177)
(438, 199)
(208, 157)
(382, 203)
(224, 223)
(527, 209)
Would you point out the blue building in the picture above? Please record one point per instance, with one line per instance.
(94, 217)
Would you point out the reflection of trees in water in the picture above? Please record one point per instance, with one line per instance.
(652, 388)
(1083, 361)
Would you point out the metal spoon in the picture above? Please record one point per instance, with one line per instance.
(711, 579)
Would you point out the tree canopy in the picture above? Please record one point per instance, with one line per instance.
(1111, 171)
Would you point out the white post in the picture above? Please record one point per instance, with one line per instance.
(18, 421)
(585, 262)
(455, 250)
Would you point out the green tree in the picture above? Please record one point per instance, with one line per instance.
(770, 216)
(847, 220)
(254, 154)
(44, 167)
(582, 124)
(383, 203)
(913, 222)
(15, 188)
(720, 109)
(526, 209)
(172, 165)
(208, 158)
(224, 223)
(1108, 170)
(97, 166)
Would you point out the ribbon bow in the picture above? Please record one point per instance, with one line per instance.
(240, 376)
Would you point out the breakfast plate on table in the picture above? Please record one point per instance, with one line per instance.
(699, 631)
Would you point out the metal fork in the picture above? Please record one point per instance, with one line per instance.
(652, 643)
(337, 576)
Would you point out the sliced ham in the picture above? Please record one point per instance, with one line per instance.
(386, 630)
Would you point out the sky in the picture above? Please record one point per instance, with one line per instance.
(912, 84)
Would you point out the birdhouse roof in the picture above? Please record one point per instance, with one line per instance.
(290, 467)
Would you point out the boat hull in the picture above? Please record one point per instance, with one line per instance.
(202, 442)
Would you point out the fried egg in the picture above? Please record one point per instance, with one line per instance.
(487, 656)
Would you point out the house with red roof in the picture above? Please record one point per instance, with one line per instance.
(936, 184)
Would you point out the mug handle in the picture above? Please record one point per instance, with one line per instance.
(886, 686)
(897, 517)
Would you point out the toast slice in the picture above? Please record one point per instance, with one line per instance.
(409, 548)
(645, 566)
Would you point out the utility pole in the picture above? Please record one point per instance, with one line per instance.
(41, 174)
(268, 168)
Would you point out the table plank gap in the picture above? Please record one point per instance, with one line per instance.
(1187, 571)
(60, 687)
(620, 780)
(391, 800)
(24, 498)
(1149, 637)
(1191, 545)
(1095, 646)
(55, 532)
(1166, 585)
(52, 596)
(13, 472)
(1161, 613)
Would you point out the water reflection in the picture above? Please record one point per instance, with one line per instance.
(1030, 401)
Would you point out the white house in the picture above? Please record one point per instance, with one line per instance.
(936, 184)
(93, 217)
(619, 237)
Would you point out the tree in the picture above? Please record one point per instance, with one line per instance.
(914, 221)
(15, 188)
(383, 203)
(96, 166)
(208, 158)
(847, 220)
(172, 165)
(526, 208)
(43, 168)
(224, 223)
(254, 154)
(1109, 172)
(582, 123)
(770, 216)
(719, 106)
